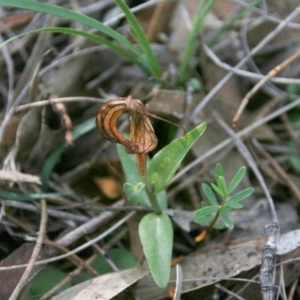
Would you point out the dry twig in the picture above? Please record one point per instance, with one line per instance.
(271, 74)
(36, 251)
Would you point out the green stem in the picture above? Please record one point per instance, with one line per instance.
(198, 21)
(152, 196)
(148, 59)
(211, 225)
(153, 199)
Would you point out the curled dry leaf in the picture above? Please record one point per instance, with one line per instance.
(142, 136)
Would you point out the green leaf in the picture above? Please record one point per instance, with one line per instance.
(122, 258)
(241, 195)
(222, 186)
(156, 234)
(219, 226)
(93, 37)
(166, 162)
(234, 205)
(204, 220)
(135, 194)
(219, 170)
(134, 179)
(128, 165)
(199, 17)
(206, 211)
(217, 190)
(227, 221)
(236, 179)
(44, 281)
(141, 38)
(70, 15)
(37, 196)
(209, 194)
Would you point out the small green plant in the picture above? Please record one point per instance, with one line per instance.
(215, 210)
(147, 182)
(155, 229)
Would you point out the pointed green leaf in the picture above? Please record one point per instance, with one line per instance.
(209, 194)
(234, 205)
(217, 190)
(166, 162)
(241, 195)
(156, 234)
(206, 211)
(236, 179)
(219, 170)
(140, 37)
(227, 221)
(222, 186)
(203, 220)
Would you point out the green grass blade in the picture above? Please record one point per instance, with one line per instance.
(71, 31)
(199, 18)
(70, 15)
(141, 38)
(31, 197)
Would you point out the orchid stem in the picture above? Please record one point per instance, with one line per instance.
(152, 197)
(141, 163)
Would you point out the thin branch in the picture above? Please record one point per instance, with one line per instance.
(35, 253)
(89, 261)
(238, 134)
(76, 250)
(278, 169)
(266, 78)
(245, 73)
(258, 47)
(58, 100)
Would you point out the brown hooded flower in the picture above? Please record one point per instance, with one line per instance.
(142, 136)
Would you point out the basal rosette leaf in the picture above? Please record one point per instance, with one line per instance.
(156, 234)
